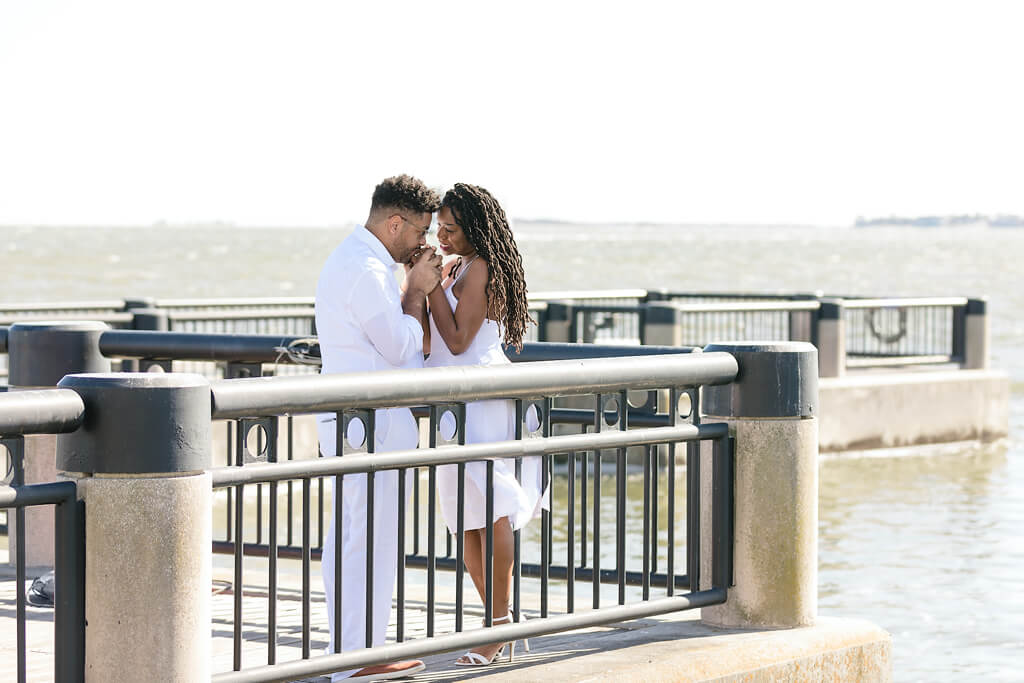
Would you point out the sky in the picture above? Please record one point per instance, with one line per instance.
(125, 112)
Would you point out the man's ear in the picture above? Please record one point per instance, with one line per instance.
(394, 224)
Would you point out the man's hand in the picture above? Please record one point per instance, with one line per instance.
(425, 273)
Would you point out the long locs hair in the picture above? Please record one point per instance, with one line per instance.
(484, 223)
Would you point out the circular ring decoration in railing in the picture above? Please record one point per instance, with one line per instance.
(257, 443)
(355, 432)
(611, 411)
(8, 457)
(448, 425)
(684, 405)
(533, 417)
(878, 327)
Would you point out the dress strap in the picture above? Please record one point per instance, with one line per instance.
(463, 269)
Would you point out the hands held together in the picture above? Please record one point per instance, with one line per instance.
(423, 272)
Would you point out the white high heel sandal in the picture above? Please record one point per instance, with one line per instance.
(477, 659)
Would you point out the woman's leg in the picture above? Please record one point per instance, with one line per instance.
(504, 554)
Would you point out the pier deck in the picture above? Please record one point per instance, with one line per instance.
(670, 648)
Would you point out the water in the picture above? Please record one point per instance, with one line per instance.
(927, 546)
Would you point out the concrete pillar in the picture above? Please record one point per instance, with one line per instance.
(141, 458)
(831, 339)
(662, 325)
(771, 410)
(976, 335)
(558, 321)
(41, 353)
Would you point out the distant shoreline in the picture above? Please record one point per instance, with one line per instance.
(951, 221)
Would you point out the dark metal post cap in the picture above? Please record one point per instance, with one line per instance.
(831, 309)
(977, 306)
(138, 422)
(558, 311)
(662, 313)
(43, 352)
(775, 379)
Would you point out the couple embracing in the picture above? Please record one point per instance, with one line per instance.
(459, 311)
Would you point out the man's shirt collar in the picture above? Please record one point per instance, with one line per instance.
(375, 245)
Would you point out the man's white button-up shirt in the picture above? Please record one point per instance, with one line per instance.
(361, 327)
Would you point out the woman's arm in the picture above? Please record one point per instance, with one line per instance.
(458, 328)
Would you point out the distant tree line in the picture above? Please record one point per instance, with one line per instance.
(997, 221)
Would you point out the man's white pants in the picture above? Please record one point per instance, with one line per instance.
(354, 595)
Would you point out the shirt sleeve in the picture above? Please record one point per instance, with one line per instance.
(377, 307)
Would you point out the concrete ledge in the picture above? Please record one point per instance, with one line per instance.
(655, 651)
(894, 409)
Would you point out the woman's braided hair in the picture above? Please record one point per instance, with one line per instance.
(484, 223)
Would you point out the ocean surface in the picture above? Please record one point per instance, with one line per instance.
(929, 544)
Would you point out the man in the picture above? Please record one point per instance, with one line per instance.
(365, 323)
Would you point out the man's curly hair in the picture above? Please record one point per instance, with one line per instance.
(484, 223)
(405, 193)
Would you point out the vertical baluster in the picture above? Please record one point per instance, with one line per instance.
(596, 584)
(320, 512)
(306, 562)
(460, 532)
(229, 441)
(368, 604)
(400, 560)
(17, 455)
(670, 563)
(489, 547)
(655, 470)
(620, 504)
(291, 456)
(646, 581)
(416, 510)
(272, 578)
(570, 544)
(584, 475)
(516, 535)
(338, 550)
(237, 586)
(431, 550)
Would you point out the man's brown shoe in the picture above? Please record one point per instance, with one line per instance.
(385, 672)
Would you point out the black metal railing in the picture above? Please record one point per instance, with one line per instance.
(904, 331)
(879, 331)
(46, 412)
(276, 398)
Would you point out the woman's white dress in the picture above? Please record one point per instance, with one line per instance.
(485, 421)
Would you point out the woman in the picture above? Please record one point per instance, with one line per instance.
(481, 304)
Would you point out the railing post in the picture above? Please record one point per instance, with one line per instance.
(771, 409)
(801, 323)
(831, 339)
(152, 319)
(141, 458)
(41, 353)
(662, 325)
(558, 322)
(976, 335)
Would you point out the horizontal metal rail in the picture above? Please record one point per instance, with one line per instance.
(584, 294)
(882, 360)
(355, 659)
(63, 306)
(51, 493)
(194, 346)
(919, 302)
(239, 314)
(262, 473)
(333, 393)
(229, 302)
(40, 411)
(109, 318)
